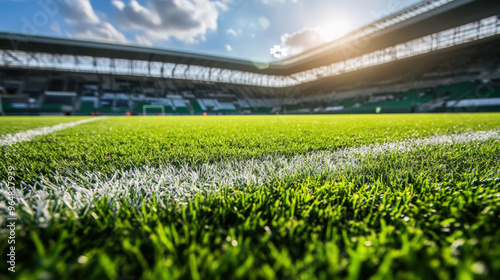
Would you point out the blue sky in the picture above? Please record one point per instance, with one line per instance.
(244, 29)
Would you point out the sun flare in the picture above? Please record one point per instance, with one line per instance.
(336, 26)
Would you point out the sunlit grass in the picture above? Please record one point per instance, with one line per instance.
(17, 124)
(123, 143)
(430, 213)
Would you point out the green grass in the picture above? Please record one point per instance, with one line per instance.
(122, 143)
(432, 213)
(17, 124)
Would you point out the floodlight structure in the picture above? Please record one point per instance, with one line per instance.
(277, 51)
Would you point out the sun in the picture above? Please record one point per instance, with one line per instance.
(336, 26)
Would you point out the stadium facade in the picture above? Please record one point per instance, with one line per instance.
(435, 56)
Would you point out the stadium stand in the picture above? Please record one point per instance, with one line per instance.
(197, 107)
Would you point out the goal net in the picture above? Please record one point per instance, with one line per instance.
(153, 110)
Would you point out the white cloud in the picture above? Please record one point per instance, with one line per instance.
(55, 26)
(268, 2)
(302, 40)
(226, 5)
(143, 40)
(118, 4)
(185, 20)
(232, 32)
(103, 31)
(228, 47)
(79, 11)
(80, 15)
(264, 22)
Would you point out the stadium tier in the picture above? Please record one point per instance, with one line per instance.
(440, 98)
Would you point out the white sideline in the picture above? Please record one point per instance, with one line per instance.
(79, 191)
(11, 139)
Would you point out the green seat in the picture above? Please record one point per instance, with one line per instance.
(196, 107)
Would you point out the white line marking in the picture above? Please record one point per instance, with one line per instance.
(79, 191)
(11, 139)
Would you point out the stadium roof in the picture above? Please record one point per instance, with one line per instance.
(108, 50)
(421, 19)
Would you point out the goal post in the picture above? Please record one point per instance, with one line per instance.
(146, 107)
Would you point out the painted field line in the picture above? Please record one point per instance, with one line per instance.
(11, 139)
(79, 191)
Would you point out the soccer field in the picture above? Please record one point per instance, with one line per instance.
(252, 197)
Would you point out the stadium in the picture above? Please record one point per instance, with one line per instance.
(414, 52)
(372, 155)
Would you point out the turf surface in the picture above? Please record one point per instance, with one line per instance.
(122, 143)
(432, 213)
(18, 124)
